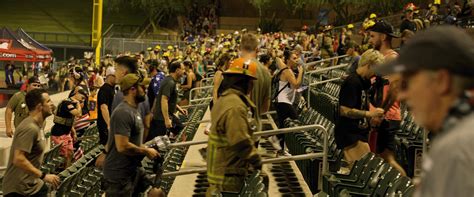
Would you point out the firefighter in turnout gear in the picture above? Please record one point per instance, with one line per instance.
(231, 152)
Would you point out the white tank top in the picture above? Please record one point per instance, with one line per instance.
(287, 95)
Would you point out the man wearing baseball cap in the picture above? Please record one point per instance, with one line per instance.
(122, 172)
(437, 68)
(380, 37)
(385, 91)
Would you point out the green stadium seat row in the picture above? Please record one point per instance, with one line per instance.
(369, 176)
(253, 186)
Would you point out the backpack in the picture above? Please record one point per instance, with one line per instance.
(275, 83)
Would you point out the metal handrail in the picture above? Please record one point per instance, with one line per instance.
(319, 83)
(271, 160)
(324, 70)
(325, 60)
(324, 154)
(207, 79)
(195, 105)
(197, 122)
(195, 89)
(327, 69)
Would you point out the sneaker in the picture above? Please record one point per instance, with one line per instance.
(275, 142)
(345, 171)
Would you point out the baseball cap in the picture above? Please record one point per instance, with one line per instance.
(110, 71)
(384, 28)
(130, 80)
(443, 47)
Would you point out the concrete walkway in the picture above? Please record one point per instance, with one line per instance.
(185, 185)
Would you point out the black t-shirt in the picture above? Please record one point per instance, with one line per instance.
(168, 89)
(64, 111)
(105, 96)
(353, 94)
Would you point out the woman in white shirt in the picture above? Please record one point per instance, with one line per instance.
(288, 84)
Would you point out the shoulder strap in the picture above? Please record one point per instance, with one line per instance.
(245, 100)
(279, 72)
(280, 90)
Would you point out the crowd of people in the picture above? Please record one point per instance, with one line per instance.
(136, 97)
(203, 20)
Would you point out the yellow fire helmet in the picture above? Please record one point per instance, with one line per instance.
(366, 25)
(158, 47)
(166, 54)
(350, 26)
(149, 49)
(372, 16)
(170, 47)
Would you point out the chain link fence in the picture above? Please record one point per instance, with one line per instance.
(121, 45)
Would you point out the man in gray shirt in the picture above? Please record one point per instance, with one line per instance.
(121, 167)
(23, 176)
(437, 68)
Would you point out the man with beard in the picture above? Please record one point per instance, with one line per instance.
(380, 37)
(385, 92)
(122, 173)
(23, 176)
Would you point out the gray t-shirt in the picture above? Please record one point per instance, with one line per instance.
(168, 89)
(125, 121)
(143, 107)
(118, 98)
(28, 138)
(448, 168)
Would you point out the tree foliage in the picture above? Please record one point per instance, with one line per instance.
(346, 10)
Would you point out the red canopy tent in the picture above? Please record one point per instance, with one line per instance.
(20, 48)
(43, 53)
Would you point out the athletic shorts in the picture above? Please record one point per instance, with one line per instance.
(66, 148)
(386, 135)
